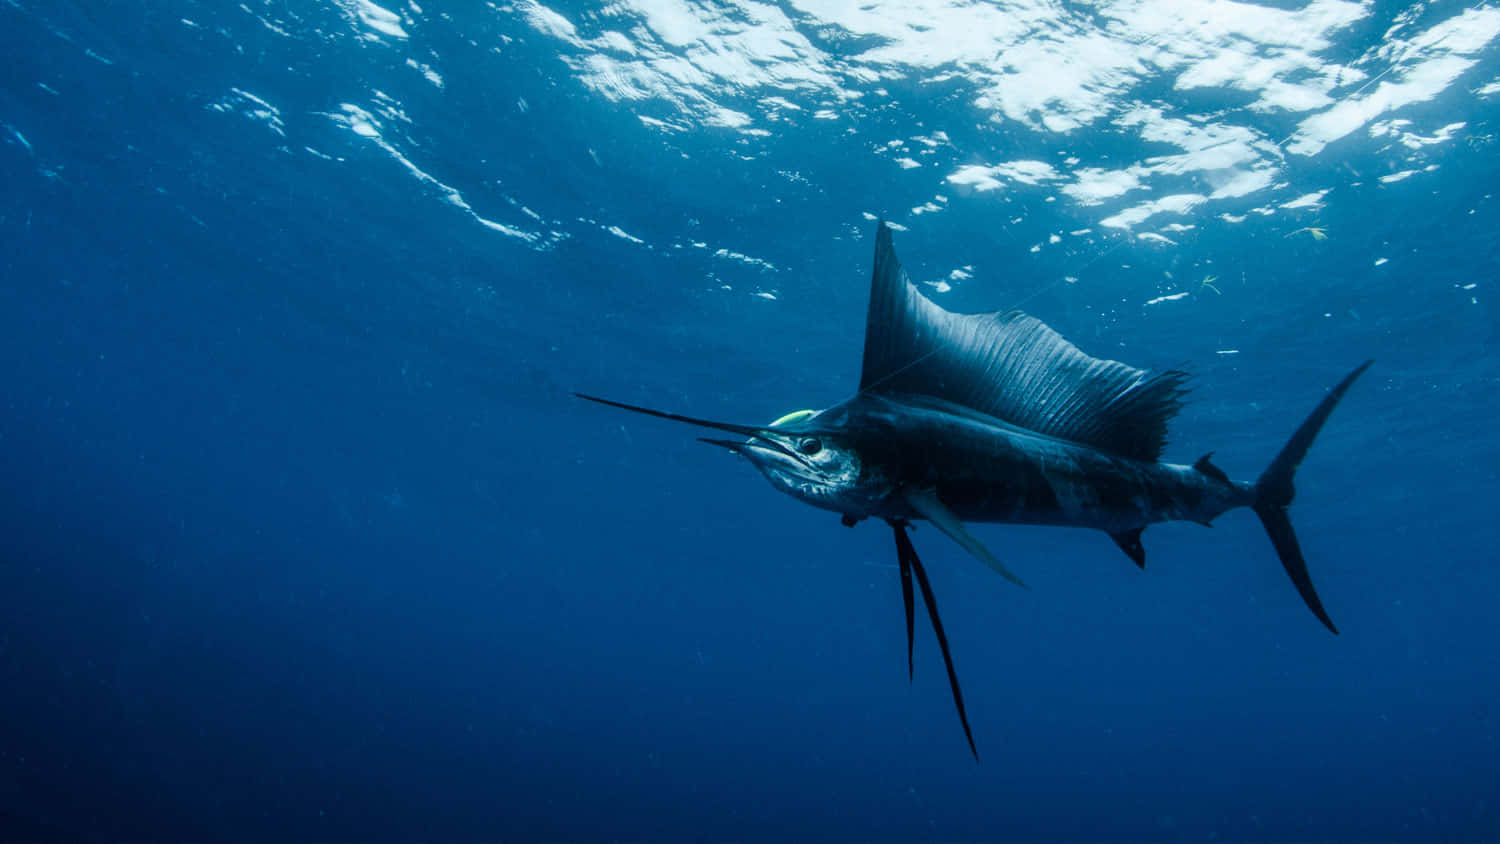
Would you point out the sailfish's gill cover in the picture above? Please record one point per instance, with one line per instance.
(1010, 366)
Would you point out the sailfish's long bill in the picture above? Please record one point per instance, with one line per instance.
(996, 418)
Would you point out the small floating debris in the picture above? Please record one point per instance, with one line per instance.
(1172, 298)
(1317, 232)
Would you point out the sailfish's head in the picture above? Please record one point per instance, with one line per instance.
(801, 455)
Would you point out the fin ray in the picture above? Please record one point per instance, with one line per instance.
(1010, 366)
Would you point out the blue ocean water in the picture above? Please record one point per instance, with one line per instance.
(306, 539)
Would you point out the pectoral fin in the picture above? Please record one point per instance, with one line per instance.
(925, 502)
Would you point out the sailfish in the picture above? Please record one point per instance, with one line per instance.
(997, 418)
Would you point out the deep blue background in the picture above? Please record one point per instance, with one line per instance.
(304, 538)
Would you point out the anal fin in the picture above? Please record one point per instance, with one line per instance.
(1130, 543)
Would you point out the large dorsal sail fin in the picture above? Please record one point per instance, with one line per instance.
(1010, 366)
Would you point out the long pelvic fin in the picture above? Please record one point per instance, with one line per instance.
(906, 555)
(925, 502)
(904, 563)
(1010, 366)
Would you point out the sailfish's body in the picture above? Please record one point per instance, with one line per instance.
(996, 418)
(986, 470)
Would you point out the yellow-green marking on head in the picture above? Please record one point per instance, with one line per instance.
(794, 417)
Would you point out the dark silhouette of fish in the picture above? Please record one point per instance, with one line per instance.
(996, 418)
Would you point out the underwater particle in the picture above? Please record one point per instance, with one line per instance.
(20, 138)
(1208, 281)
(1317, 232)
(1172, 298)
(622, 234)
(1379, 261)
(381, 19)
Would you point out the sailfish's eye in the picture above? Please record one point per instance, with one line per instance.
(810, 446)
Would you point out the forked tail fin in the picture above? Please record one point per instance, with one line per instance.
(1274, 492)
